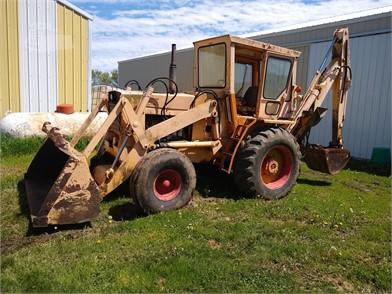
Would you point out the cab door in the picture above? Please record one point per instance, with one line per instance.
(276, 88)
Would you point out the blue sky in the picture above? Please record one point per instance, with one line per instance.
(124, 29)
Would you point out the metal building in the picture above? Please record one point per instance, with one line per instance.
(44, 56)
(368, 118)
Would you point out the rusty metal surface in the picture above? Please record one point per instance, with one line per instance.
(326, 159)
(59, 186)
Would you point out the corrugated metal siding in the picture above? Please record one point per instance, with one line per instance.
(38, 55)
(368, 115)
(89, 84)
(302, 66)
(146, 69)
(72, 57)
(9, 59)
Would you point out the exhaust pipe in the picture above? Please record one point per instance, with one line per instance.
(172, 70)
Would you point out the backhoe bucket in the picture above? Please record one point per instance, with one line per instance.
(59, 186)
(326, 159)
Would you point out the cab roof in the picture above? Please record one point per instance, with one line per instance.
(247, 43)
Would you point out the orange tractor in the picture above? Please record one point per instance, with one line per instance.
(246, 117)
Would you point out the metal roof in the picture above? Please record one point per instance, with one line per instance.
(76, 9)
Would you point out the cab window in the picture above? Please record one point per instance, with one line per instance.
(212, 66)
(243, 78)
(276, 77)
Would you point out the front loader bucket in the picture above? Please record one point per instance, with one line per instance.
(326, 159)
(59, 186)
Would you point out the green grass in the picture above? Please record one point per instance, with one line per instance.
(331, 234)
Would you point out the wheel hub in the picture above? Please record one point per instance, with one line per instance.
(272, 167)
(167, 184)
(276, 167)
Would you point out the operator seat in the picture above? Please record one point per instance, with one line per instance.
(250, 96)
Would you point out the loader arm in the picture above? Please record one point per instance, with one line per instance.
(150, 135)
(142, 139)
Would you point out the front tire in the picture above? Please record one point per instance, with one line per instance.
(268, 165)
(164, 181)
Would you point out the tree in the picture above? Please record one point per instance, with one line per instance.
(101, 77)
(114, 76)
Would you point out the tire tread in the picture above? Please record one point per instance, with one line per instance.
(245, 170)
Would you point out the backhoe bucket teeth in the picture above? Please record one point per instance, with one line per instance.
(59, 186)
(326, 159)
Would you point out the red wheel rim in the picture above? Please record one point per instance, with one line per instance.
(167, 184)
(276, 167)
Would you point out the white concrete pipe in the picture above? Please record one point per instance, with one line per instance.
(25, 124)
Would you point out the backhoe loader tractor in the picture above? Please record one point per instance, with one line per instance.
(247, 116)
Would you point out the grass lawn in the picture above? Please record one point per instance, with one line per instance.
(331, 234)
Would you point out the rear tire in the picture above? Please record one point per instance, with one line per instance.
(268, 165)
(164, 180)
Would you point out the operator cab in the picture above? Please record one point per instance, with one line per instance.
(246, 80)
(257, 78)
